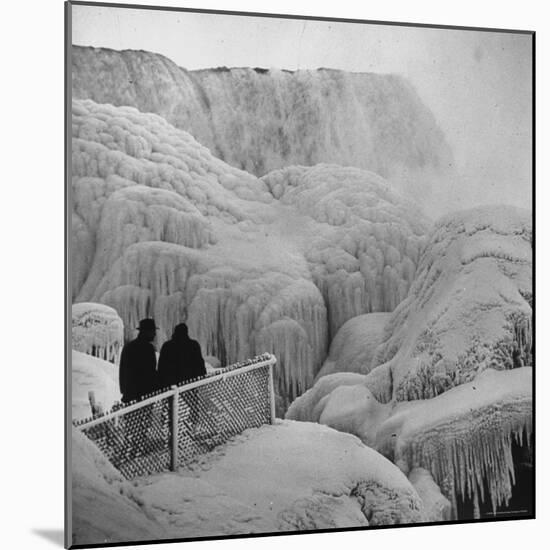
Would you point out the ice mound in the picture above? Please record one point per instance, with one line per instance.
(245, 486)
(97, 330)
(262, 120)
(346, 485)
(353, 347)
(469, 307)
(92, 374)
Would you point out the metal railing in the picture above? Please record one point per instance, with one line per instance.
(170, 428)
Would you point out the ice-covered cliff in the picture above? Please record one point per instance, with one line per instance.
(162, 228)
(260, 120)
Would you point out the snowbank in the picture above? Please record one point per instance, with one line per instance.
(104, 507)
(97, 330)
(332, 481)
(92, 374)
(248, 485)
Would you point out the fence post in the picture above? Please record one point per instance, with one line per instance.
(175, 430)
(272, 392)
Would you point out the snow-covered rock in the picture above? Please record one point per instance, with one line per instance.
(97, 330)
(262, 120)
(96, 375)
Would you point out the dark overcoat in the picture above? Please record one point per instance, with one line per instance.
(180, 360)
(138, 370)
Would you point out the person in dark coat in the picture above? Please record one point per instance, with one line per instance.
(138, 364)
(180, 358)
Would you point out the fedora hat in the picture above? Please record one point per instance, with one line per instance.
(147, 324)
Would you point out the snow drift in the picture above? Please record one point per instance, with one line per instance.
(245, 486)
(261, 120)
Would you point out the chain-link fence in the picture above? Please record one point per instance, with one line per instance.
(173, 427)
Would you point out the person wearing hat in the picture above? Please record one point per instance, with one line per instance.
(138, 364)
(180, 358)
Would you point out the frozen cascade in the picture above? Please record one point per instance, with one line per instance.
(97, 330)
(365, 247)
(164, 229)
(262, 120)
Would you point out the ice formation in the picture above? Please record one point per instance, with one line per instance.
(97, 330)
(469, 307)
(90, 374)
(366, 240)
(164, 229)
(261, 120)
(462, 438)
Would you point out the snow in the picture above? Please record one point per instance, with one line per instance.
(92, 374)
(464, 436)
(346, 484)
(262, 121)
(436, 506)
(366, 239)
(104, 507)
(245, 486)
(470, 304)
(97, 330)
(353, 347)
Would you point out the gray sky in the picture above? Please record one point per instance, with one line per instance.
(478, 84)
